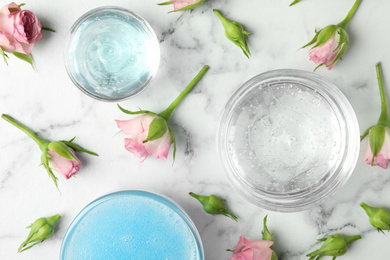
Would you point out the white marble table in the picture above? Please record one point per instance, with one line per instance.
(48, 102)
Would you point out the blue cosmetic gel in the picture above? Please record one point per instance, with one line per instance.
(112, 53)
(132, 225)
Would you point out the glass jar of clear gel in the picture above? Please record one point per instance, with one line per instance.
(111, 53)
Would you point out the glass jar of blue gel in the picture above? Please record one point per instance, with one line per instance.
(111, 54)
(133, 225)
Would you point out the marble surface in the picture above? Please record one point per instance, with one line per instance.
(48, 102)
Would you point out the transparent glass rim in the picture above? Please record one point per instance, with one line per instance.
(70, 37)
(292, 202)
(157, 197)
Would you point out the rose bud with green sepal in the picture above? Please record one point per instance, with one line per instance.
(235, 32)
(268, 236)
(379, 217)
(213, 205)
(331, 42)
(149, 132)
(378, 151)
(335, 245)
(180, 5)
(56, 155)
(41, 229)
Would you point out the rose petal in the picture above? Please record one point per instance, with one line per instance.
(136, 125)
(63, 165)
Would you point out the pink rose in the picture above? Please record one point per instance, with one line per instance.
(63, 165)
(177, 4)
(21, 28)
(383, 157)
(138, 129)
(326, 53)
(252, 250)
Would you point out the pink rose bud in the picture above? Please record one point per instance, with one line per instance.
(23, 26)
(181, 5)
(331, 42)
(378, 151)
(149, 132)
(67, 167)
(56, 155)
(138, 130)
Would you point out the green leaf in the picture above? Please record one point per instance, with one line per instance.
(5, 56)
(48, 29)
(295, 2)
(78, 148)
(136, 112)
(25, 57)
(62, 150)
(157, 128)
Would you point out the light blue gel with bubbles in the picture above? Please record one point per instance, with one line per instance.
(132, 225)
(112, 53)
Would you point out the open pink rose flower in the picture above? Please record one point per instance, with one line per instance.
(181, 5)
(138, 129)
(383, 156)
(252, 250)
(67, 167)
(21, 28)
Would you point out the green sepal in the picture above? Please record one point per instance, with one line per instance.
(76, 147)
(266, 234)
(22, 4)
(5, 56)
(312, 40)
(25, 57)
(157, 128)
(166, 3)
(188, 7)
(295, 2)
(135, 112)
(63, 150)
(344, 38)
(45, 163)
(377, 138)
(325, 34)
(365, 133)
(48, 29)
(174, 144)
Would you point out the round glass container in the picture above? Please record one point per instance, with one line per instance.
(288, 139)
(111, 53)
(134, 225)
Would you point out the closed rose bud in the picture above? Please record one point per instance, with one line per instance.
(379, 217)
(235, 32)
(334, 245)
(41, 229)
(213, 205)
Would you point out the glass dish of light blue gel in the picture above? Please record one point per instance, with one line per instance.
(111, 54)
(134, 225)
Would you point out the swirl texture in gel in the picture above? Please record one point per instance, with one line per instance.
(131, 226)
(112, 54)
